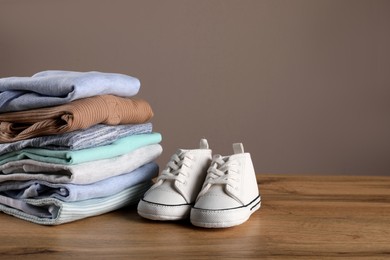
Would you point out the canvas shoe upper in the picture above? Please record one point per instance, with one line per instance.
(178, 185)
(229, 194)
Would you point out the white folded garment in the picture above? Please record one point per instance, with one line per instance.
(35, 189)
(83, 173)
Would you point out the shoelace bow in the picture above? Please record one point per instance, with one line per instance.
(222, 172)
(177, 168)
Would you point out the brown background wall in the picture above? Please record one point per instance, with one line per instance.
(305, 85)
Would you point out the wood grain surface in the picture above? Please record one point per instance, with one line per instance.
(306, 217)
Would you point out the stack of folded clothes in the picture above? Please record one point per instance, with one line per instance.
(73, 145)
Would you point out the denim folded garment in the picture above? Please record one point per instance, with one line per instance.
(56, 87)
(36, 189)
(51, 211)
(83, 173)
(76, 115)
(119, 147)
(97, 135)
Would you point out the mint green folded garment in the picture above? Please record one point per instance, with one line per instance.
(119, 147)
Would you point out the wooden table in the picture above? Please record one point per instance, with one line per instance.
(307, 217)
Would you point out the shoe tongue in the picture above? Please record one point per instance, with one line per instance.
(203, 144)
(238, 148)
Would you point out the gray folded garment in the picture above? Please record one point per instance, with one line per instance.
(94, 136)
(50, 211)
(56, 87)
(119, 147)
(36, 189)
(84, 173)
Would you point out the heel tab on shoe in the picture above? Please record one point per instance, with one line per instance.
(238, 148)
(203, 144)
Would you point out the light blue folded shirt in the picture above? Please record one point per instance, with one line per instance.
(50, 211)
(96, 135)
(119, 147)
(36, 189)
(56, 87)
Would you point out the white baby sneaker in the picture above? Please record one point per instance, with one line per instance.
(178, 185)
(229, 194)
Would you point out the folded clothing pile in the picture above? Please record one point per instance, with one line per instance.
(73, 145)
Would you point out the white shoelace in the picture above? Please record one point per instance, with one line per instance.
(177, 168)
(222, 172)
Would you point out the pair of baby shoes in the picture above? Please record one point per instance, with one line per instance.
(214, 191)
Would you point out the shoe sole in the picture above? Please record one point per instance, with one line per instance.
(224, 218)
(163, 212)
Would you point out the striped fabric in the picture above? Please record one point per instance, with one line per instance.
(119, 147)
(50, 211)
(79, 114)
(74, 145)
(94, 136)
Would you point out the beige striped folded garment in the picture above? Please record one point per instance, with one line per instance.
(79, 114)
